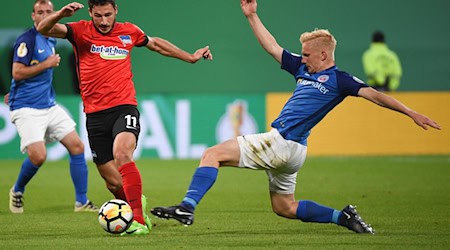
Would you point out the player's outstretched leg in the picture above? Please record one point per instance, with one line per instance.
(202, 181)
(350, 219)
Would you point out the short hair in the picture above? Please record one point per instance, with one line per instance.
(40, 2)
(323, 36)
(93, 3)
(378, 37)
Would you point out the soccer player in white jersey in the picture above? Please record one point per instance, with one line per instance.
(38, 119)
(282, 151)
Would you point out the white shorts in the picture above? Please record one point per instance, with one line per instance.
(47, 125)
(280, 158)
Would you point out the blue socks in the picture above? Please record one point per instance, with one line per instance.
(309, 211)
(202, 181)
(27, 172)
(79, 174)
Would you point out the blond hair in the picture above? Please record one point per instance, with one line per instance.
(41, 2)
(321, 37)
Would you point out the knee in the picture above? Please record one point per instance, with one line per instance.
(210, 155)
(37, 158)
(73, 143)
(121, 157)
(77, 148)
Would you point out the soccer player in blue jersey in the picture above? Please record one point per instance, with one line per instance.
(37, 117)
(282, 151)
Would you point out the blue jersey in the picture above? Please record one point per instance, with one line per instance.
(32, 48)
(315, 96)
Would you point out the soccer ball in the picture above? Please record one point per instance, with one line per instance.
(115, 216)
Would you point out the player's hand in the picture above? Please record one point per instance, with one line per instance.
(204, 53)
(70, 9)
(53, 61)
(249, 7)
(6, 99)
(424, 121)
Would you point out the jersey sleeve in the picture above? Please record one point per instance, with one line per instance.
(140, 38)
(74, 30)
(348, 84)
(23, 49)
(290, 62)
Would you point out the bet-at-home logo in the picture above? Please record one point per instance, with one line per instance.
(110, 53)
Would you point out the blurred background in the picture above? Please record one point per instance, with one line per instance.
(190, 107)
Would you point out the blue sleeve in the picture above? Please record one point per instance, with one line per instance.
(348, 84)
(290, 62)
(24, 48)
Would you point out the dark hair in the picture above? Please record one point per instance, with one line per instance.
(378, 37)
(93, 3)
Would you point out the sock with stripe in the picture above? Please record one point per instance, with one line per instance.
(310, 211)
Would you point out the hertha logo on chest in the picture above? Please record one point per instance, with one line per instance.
(126, 39)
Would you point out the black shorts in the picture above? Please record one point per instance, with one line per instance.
(105, 125)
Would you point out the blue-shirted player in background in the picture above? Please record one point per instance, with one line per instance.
(282, 151)
(37, 117)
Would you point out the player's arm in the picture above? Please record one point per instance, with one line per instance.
(49, 26)
(393, 104)
(6, 98)
(166, 48)
(21, 71)
(264, 37)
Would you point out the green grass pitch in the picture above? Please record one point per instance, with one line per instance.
(406, 199)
